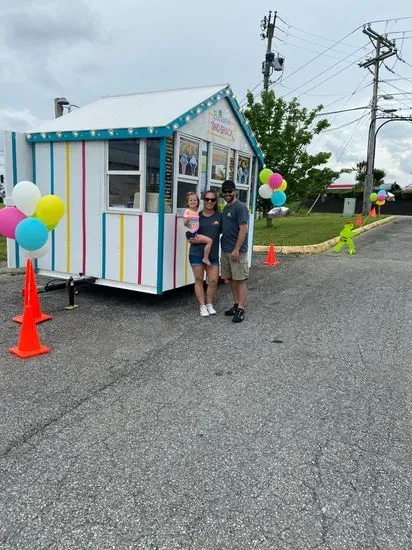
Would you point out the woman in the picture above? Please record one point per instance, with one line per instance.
(210, 222)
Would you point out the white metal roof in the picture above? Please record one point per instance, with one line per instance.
(133, 110)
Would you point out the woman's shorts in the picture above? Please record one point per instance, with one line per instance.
(197, 260)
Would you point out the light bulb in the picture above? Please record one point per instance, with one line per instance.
(43, 135)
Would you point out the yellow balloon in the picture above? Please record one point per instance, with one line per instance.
(50, 209)
(380, 203)
(283, 186)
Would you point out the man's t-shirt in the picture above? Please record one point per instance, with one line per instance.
(233, 216)
(210, 226)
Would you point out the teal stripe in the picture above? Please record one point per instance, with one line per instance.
(103, 246)
(161, 226)
(53, 237)
(14, 161)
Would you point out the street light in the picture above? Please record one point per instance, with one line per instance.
(371, 155)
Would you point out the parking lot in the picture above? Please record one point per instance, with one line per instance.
(147, 426)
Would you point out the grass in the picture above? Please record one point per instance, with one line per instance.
(3, 253)
(302, 230)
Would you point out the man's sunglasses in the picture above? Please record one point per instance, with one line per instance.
(228, 191)
(206, 199)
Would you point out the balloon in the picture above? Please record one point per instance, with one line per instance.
(10, 217)
(51, 227)
(36, 253)
(31, 234)
(278, 198)
(25, 196)
(265, 191)
(380, 202)
(381, 197)
(264, 175)
(373, 197)
(283, 186)
(275, 180)
(381, 191)
(50, 209)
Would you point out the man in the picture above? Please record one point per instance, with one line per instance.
(234, 242)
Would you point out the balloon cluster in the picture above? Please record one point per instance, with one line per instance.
(379, 198)
(272, 187)
(31, 218)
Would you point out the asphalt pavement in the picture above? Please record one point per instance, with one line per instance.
(148, 427)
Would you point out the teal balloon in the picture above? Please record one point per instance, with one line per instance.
(278, 198)
(31, 234)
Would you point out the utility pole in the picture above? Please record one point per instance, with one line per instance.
(384, 48)
(268, 26)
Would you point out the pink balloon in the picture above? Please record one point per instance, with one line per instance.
(275, 180)
(10, 217)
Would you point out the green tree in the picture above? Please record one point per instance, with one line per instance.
(284, 130)
(361, 169)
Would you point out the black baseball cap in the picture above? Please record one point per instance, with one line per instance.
(228, 185)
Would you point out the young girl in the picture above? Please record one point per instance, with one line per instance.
(191, 221)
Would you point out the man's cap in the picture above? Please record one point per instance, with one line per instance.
(229, 185)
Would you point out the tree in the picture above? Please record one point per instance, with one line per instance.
(395, 187)
(284, 130)
(361, 169)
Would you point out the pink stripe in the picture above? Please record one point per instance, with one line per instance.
(84, 205)
(140, 251)
(175, 255)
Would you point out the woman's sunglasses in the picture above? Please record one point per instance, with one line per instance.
(207, 199)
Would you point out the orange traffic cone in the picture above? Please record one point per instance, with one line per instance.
(29, 343)
(271, 256)
(372, 213)
(31, 295)
(358, 220)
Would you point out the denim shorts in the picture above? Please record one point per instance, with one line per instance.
(197, 260)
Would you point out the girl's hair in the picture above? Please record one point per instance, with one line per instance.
(192, 194)
(214, 193)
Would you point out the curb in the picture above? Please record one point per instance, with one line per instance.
(321, 247)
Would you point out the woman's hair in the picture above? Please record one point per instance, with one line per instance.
(214, 193)
(192, 194)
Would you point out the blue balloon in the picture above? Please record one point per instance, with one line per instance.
(278, 198)
(382, 192)
(31, 234)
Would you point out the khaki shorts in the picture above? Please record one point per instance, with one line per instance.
(237, 271)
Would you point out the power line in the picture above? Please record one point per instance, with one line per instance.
(323, 72)
(346, 124)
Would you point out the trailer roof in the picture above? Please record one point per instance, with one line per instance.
(148, 109)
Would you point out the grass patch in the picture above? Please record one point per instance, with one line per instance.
(302, 230)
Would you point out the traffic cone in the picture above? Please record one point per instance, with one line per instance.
(31, 295)
(358, 221)
(29, 343)
(372, 213)
(271, 256)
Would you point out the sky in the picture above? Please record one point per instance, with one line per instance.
(86, 49)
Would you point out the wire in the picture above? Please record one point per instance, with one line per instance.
(323, 72)
(344, 125)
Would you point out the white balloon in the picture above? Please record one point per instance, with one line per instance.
(36, 253)
(265, 191)
(25, 196)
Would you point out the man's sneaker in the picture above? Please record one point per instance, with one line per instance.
(230, 312)
(211, 309)
(239, 315)
(203, 311)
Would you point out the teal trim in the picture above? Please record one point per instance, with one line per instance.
(161, 217)
(33, 162)
(14, 161)
(246, 128)
(93, 135)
